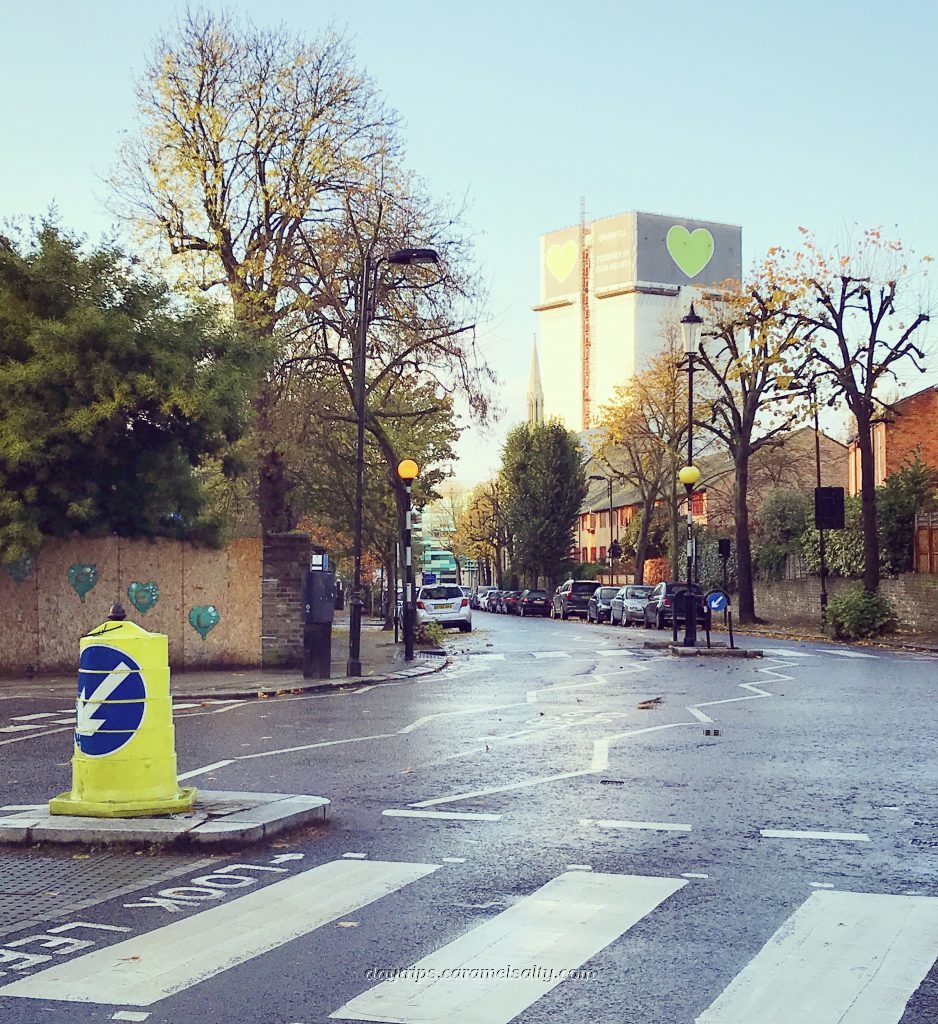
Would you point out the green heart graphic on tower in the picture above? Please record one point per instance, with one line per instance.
(690, 250)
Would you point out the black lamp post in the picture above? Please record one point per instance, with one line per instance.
(614, 551)
(690, 474)
(407, 471)
(364, 312)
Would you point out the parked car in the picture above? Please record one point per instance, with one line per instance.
(662, 606)
(598, 606)
(446, 604)
(491, 600)
(510, 601)
(572, 598)
(628, 605)
(477, 600)
(533, 602)
(467, 592)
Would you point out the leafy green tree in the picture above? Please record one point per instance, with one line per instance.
(116, 398)
(782, 518)
(905, 493)
(543, 468)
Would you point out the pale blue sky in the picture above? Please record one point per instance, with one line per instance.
(764, 115)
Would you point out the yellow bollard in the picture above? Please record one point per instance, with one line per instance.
(124, 763)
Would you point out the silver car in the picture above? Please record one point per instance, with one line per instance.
(446, 604)
(628, 605)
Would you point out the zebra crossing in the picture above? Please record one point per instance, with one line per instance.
(838, 957)
(40, 723)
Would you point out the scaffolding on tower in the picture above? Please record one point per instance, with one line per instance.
(585, 313)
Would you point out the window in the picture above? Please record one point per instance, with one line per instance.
(585, 555)
(592, 522)
(602, 554)
(592, 554)
(602, 521)
(697, 503)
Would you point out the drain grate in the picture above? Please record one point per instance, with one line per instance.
(37, 888)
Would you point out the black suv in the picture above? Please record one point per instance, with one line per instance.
(665, 602)
(572, 598)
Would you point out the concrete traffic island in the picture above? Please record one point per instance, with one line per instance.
(713, 652)
(218, 817)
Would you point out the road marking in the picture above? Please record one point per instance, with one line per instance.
(616, 653)
(450, 714)
(541, 655)
(183, 707)
(447, 815)
(579, 867)
(822, 885)
(203, 771)
(601, 747)
(693, 874)
(38, 715)
(129, 1015)
(847, 654)
(490, 657)
(142, 970)
(454, 860)
(355, 856)
(527, 783)
(784, 652)
(844, 837)
(841, 957)
(651, 826)
(22, 728)
(597, 680)
(554, 930)
(23, 807)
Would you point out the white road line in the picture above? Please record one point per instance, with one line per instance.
(355, 856)
(38, 715)
(32, 727)
(395, 812)
(129, 1015)
(450, 714)
(183, 707)
(597, 680)
(490, 657)
(650, 826)
(693, 874)
(847, 654)
(142, 970)
(601, 747)
(527, 783)
(841, 958)
(842, 837)
(557, 928)
(64, 721)
(579, 867)
(616, 653)
(784, 652)
(24, 807)
(203, 771)
(541, 655)
(454, 860)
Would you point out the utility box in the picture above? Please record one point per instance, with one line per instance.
(318, 612)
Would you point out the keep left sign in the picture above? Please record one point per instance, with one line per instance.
(111, 700)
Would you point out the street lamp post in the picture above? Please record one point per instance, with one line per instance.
(614, 550)
(364, 312)
(690, 474)
(408, 471)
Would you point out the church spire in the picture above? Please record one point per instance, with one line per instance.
(535, 392)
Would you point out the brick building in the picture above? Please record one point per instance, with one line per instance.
(910, 423)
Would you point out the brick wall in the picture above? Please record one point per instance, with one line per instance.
(798, 602)
(914, 423)
(286, 561)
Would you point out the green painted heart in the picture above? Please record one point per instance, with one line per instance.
(690, 250)
(20, 568)
(203, 619)
(561, 259)
(82, 578)
(143, 596)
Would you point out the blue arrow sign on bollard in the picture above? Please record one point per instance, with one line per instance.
(718, 601)
(107, 674)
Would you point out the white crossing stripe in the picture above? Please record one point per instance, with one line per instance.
(142, 970)
(183, 707)
(35, 717)
(847, 654)
(841, 958)
(553, 930)
(785, 652)
(616, 652)
(32, 727)
(447, 815)
(651, 826)
(550, 654)
(786, 833)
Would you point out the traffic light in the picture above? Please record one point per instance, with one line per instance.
(829, 508)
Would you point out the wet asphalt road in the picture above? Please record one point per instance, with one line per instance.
(535, 729)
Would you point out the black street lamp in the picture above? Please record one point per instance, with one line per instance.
(690, 474)
(614, 551)
(365, 311)
(407, 471)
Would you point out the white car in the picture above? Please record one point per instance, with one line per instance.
(446, 604)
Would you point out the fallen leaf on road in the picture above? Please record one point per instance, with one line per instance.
(649, 705)
(347, 924)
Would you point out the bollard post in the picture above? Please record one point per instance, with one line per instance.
(732, 645)
(124, 760)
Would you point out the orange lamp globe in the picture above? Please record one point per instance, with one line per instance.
(408, 469)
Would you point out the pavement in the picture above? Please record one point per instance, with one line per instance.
(557, 826)
(382, 660)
